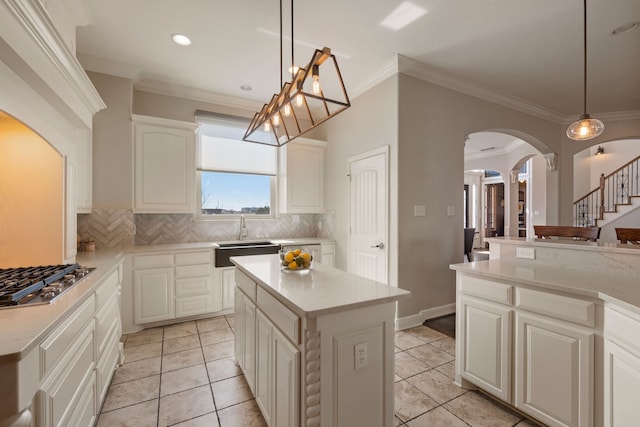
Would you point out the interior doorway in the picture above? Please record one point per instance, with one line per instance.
(494, 210)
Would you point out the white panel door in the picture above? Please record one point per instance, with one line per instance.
(264, 362)
(286, 380)
(153, 295)
(554, 371)
(486, 346)
(368, 216)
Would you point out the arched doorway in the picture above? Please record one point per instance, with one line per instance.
(517, 187)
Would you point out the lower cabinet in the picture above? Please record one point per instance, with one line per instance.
(621, 367)
(534, 351)
(277, 375)
(153, 295)
(227, 279)
(486, 356)
(554, 371)
(173, 285)
(245, 335)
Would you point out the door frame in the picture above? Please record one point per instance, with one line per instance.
(383, 150)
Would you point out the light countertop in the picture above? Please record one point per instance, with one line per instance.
(22, 328)
(301, 241)
(620, 289)
(567, 244)
(320, 290)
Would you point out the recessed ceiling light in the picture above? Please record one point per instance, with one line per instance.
(246, 88)
(403, 15)
(626, 28)
(181, 39)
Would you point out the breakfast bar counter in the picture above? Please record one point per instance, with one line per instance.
(316, 346)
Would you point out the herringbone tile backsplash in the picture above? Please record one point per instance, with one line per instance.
(120, 228)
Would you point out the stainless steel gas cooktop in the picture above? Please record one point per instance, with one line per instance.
(38, 285)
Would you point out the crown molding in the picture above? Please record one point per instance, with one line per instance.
(53, 61)
(387, 70)
(164, 88)
(117, 69)
(422, 71)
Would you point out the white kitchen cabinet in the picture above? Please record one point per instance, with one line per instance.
(245, 346)
(164, 165)
(327, 253)
(277, 374)
(301, 176)
(554, 371)
(153, 295)
(264, 362)
(173, 285)
(485, 345)
(227, 279)
(621, 367)
(286, 382)
(547, 369)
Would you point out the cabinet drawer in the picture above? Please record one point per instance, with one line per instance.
(191, 306)
(106, 365)
(59, 341)
(247, 285)
(558, 306)
(622, 327)
(61, 392)
(152, 261)
(193, 270)
(107, 321)
(193, 286)
(287, 321)
(107, 290)
(190, 258)
(486, 289)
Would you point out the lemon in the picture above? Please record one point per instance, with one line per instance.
(297, 252)
(306, 257)
(289, 257)
(293, 265)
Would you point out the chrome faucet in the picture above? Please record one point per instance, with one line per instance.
(243, 228)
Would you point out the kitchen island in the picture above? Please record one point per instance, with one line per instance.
(552, 328)
(316, 346)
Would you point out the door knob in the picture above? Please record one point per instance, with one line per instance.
(379, 246)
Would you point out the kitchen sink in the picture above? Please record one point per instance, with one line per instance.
(224, 251)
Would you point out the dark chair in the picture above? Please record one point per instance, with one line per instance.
(628, 235)
(576, 233)
(469, 233)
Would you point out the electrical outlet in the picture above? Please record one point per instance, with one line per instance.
(360, 355)
(527, 253)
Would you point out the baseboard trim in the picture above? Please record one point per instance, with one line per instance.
(428, 313)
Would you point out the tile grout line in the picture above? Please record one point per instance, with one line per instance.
(160, 379)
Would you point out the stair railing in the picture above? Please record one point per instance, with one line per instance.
(615, 189)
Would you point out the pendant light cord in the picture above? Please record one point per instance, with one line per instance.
(280, 44)
(585, 58)
(292, 60)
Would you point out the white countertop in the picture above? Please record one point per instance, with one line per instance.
(320, 290)
(567, 244)
(620, 289)
(21, 328)
(301, 241)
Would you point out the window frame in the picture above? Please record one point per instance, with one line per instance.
(199, 216)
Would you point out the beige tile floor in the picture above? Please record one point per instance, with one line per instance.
(184, 375)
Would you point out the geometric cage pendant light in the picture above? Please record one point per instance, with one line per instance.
(586, 127)
(315, 93)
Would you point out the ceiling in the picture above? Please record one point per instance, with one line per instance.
(528, 50)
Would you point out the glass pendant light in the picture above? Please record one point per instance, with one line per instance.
(586, 127)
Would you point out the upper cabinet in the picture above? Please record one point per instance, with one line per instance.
(164, 159)
(301, 176)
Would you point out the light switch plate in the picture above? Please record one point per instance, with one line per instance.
(527, 253)
(419, 210)
(451, 210)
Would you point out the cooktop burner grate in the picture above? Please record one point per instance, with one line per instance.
(17, 283)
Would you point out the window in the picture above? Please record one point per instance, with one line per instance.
(235, 177)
